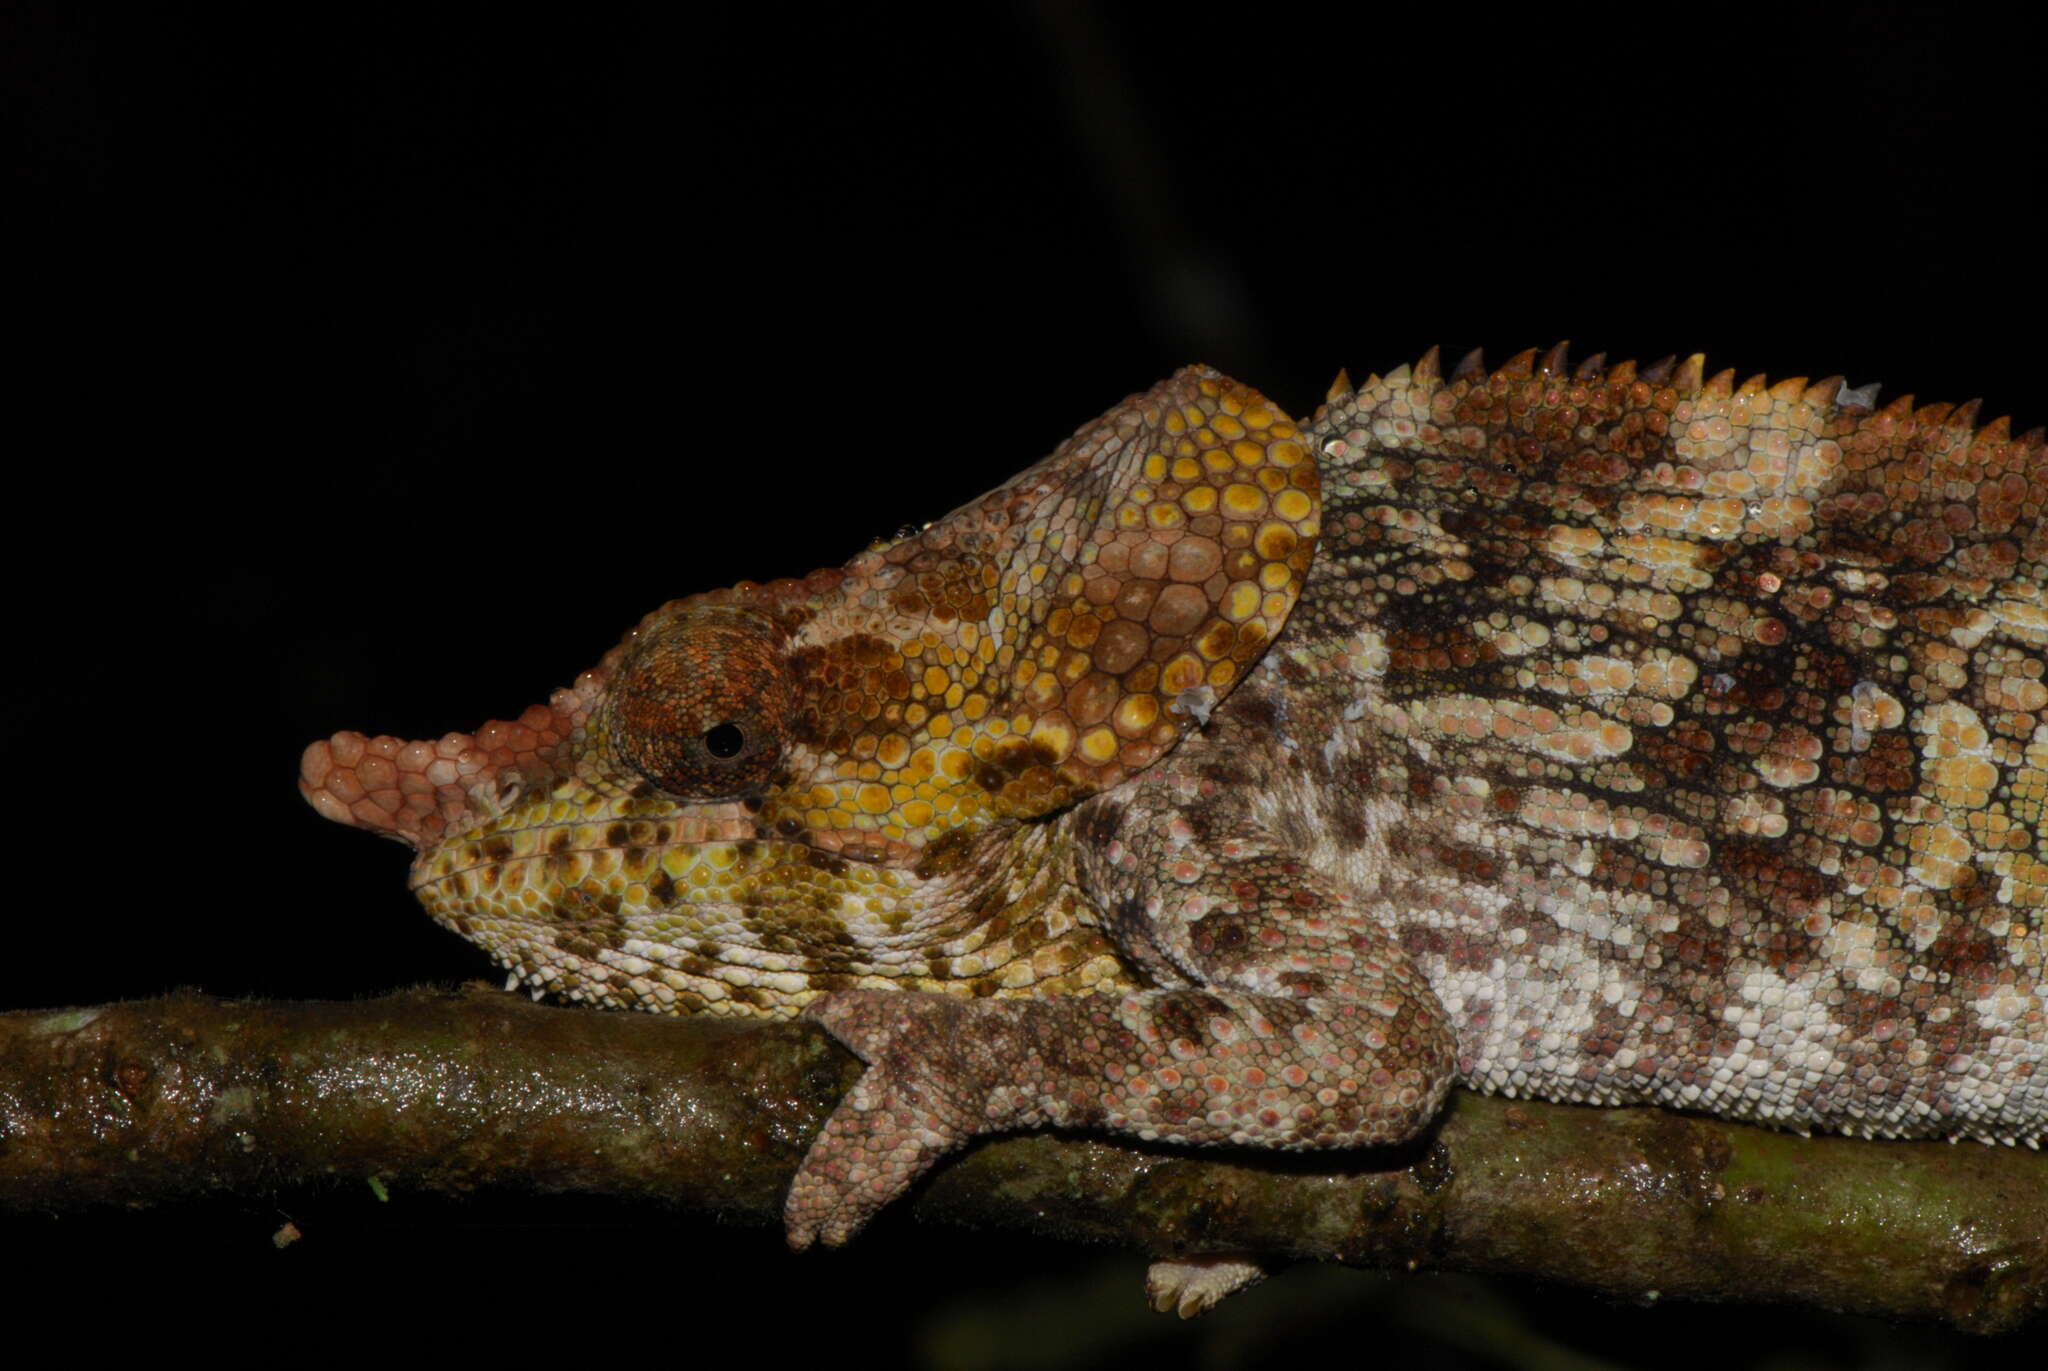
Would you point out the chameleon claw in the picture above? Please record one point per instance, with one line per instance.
(1187, 1286)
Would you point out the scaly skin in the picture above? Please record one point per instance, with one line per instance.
(1593, 735)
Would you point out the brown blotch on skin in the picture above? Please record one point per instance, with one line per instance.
(1962, 941)
(1224, 771)
(1012, 763)
(1472, 863)
(1679, 759)
(1254, 709)
(1348, 826)
(830, 863)
(991, 911)
(1127, 922)
(1101, 823)
(1969, 894)
(945, 854)
(1187, 1015)
(576, 904)
(1220, 932)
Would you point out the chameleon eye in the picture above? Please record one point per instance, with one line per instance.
(701, 705)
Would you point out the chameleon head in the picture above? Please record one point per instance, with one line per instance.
(769, 792)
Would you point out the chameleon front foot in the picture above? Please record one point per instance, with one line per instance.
(934, 1064)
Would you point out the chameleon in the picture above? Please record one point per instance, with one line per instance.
(1591, 733)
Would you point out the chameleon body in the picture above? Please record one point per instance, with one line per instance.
(1588, 733)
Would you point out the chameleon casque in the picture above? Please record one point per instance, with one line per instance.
(1589, 733)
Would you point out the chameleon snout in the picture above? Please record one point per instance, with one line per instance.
(422, 792)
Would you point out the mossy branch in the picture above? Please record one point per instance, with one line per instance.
(168, 1099)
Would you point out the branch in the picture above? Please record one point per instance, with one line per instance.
(158, 1100)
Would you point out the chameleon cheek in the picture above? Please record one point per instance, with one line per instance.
(702, 706)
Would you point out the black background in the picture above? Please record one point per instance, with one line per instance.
(379, 371)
